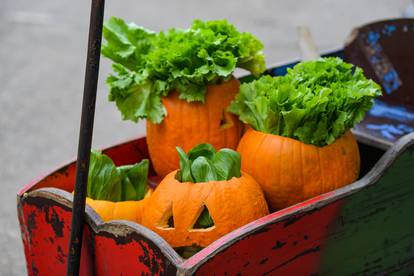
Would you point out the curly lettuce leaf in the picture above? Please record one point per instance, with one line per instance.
(134, 97)
(109, 182)
(148, 65)
(315, 102)
(126, 44)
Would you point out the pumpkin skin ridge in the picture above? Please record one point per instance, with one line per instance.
(254, 163)
(334, 171)
(269, 157)
(193, 196)
(185, 125)
(322, 174)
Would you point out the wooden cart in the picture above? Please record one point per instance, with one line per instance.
(364, 228)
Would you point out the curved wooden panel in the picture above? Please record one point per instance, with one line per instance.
(115, 248)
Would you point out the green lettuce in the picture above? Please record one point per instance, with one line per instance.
(204, 220)
(106, 181)
(315, 102)
(203, 163)
(148, 65)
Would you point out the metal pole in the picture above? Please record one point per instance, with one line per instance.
(85, 135)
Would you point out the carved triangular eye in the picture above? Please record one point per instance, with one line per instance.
(226, 120)
(204, 220)
(167, 219)
(170, 222)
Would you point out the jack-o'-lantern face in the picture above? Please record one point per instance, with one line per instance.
(174, 209)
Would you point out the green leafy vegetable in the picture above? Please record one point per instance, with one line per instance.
(203, 163)
(148, 65)
(109, 182)
(315, 102)
(204, 220)
(103, 179)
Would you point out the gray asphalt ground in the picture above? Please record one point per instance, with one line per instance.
(42, 57)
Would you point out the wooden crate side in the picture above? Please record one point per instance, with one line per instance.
(368, 228)
(304, 236)
(120, 251)
(374, 231)
(292, 245)
(114, 248)
(45, 232)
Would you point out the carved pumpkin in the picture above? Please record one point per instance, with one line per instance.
(290, 171)
(125, 210)
(176, 207)
(188, 124)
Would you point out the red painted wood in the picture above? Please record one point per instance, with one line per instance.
(290, 241)
(128, 152)
(125, 253)
(270, 250)
(236, 233)
(45, 231)
(126, 258)
(63, 177)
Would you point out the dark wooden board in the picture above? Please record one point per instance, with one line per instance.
(385, 50)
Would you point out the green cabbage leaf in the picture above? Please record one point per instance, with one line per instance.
(203, 164)
(106, 181)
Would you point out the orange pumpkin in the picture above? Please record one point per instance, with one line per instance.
(231, 204)
(188, 124)
(125, 210)
(290, 171)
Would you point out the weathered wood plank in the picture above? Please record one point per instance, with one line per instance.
(368, 231)
(108, 248)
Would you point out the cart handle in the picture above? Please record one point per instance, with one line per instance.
(85, 135)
